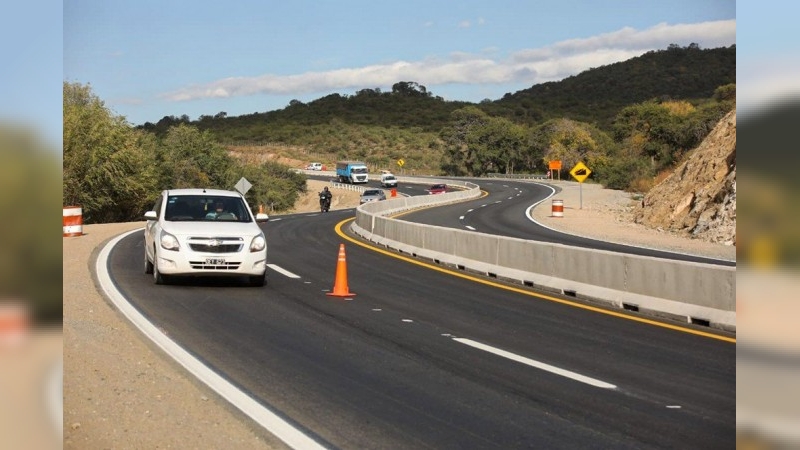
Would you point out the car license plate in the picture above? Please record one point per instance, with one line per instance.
(215, 261)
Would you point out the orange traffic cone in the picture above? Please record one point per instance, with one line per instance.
(340, 288)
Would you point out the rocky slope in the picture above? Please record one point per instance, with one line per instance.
(699, 198)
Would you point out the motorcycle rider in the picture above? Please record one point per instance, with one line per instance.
(325, 199)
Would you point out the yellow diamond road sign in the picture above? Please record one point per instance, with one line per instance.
(400, 162)
(580, 172)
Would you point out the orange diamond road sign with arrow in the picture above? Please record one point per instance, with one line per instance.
(580, 172)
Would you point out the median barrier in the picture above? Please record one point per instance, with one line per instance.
(687, 291)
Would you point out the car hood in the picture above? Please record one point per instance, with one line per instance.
(215, 228)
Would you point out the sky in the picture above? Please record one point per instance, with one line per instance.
(31, 53)
(149, 59)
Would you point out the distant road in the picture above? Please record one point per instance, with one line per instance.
(503, 213)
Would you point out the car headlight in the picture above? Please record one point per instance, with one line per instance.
(169, 241)
(258, 243)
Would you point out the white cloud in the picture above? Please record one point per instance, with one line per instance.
(128, 101)
(464, 24)
(531, 66)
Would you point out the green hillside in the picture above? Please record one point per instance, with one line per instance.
(598, 94)
(594, 96)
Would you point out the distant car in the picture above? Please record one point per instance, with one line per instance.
(372, 195)
(437, 189)
(388, 180)
(314, 166)
(204, 232)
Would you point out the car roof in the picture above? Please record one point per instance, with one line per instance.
(199, 191)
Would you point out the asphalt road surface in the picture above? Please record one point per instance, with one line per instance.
(424, 358)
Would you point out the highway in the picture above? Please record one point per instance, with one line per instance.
(424, 358)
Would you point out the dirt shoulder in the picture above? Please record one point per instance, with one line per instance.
(591, 211)
(120, 392)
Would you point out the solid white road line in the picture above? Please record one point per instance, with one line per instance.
(537, 364)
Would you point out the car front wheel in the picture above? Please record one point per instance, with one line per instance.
(148, 266)
(158, 277)
(258, 280)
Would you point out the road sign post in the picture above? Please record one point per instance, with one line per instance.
(554, 165)
(580, 172)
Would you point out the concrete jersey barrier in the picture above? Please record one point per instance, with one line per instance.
(692, 292)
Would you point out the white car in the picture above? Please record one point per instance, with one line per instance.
(388, 180)
(314, 166)
(204, 232)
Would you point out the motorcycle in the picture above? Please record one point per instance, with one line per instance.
(324, 203)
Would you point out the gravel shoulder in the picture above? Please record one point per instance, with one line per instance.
(120, 392)
(591, 211)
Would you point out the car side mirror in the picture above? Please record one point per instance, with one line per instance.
(151, 215)
(262, 217)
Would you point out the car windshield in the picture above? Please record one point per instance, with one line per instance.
(369, 193)
(188, 208)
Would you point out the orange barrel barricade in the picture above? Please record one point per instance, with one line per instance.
(73, 221)
(394, 192)
(558, 208)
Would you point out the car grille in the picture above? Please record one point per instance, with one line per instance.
(216, 245)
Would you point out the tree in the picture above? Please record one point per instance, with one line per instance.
(274, 186)
(410, 89)
(725, 93)
(497, 145)
(108, 167)
(569, 142)
(188, 157)
(459, 157)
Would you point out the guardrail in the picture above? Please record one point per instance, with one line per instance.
(692, 292)
(519, 176)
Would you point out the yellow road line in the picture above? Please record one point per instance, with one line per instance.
(527, 292)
